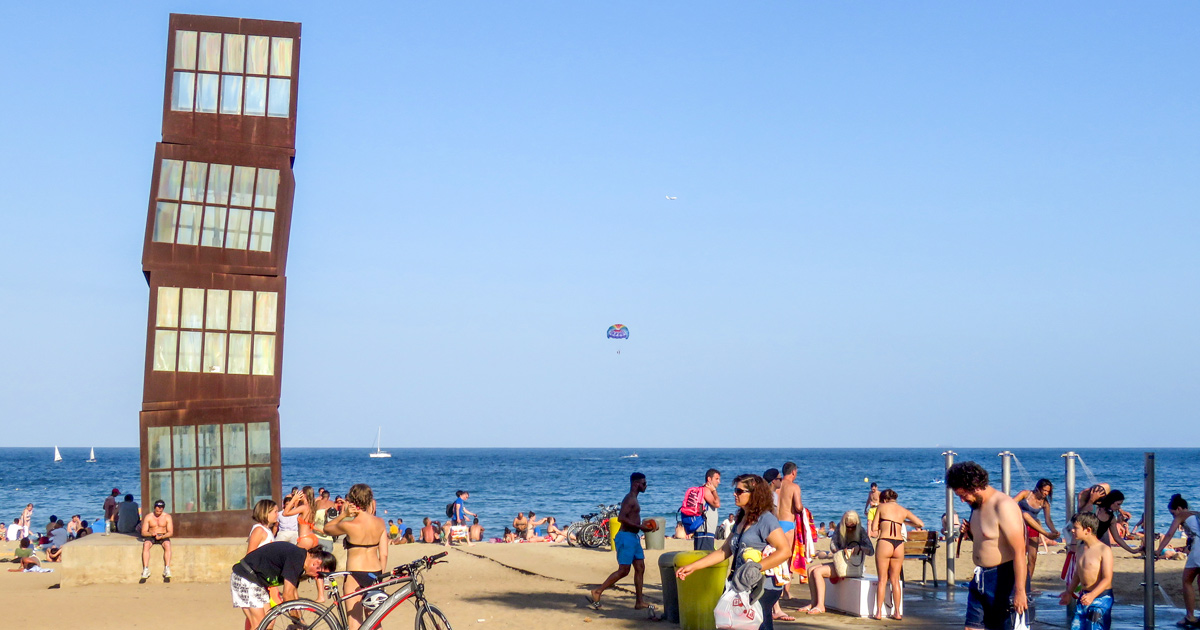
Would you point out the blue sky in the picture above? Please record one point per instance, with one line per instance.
(897, 224)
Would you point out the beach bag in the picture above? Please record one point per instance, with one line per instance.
(693, 502)
(848, 568)
(450, 510)
(736, 611)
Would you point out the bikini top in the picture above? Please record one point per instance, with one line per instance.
(897, 528)
(346, 544)
(1025, 507)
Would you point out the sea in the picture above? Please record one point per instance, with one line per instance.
(568, 482)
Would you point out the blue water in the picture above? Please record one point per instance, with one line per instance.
(568, 482)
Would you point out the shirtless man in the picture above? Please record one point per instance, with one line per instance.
(157, 529)
(26, 519)
(629, 545)
(789, 509)
(998, 532)
(872, 502)
(1092, 581)
(366, 546)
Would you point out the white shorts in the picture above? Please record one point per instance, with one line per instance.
(287, 536)
(247, 594)
(1193, 559)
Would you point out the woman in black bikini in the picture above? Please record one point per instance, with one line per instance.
(366, 545)
(1108, 510)
(888, 527)
(1031, 502)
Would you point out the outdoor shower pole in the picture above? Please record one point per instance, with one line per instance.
(951, 531)
(1148, 546)
(1006, 472)
(1070, 457)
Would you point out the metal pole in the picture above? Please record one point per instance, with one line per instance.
(1070, 457)
(1006, 472)
(1147, 543)
(951, 531)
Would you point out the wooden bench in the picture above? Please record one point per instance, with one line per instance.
(922, 545)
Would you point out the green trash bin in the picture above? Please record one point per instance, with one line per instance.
(655, 539)
(698, 594)
(666, 569)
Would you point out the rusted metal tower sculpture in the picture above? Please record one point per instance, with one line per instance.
(215, 253)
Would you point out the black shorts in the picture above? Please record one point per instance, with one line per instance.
(989, 600)
(155, 541)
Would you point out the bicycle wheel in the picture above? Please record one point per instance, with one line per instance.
(430, 617)
(573, 534)
(593, 536)
(300, 614)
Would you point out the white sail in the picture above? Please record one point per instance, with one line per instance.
(92, 456)
(378, 451)
(57, 455)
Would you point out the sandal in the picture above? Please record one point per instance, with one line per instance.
(783, 617)
(593, 604)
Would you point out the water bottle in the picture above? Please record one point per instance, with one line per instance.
(107, 526)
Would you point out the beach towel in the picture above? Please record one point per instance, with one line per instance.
(804, 546)
(39, 570)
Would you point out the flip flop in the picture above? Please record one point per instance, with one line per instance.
(783, 617)
(593, 604)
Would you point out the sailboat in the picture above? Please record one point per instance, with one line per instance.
(57, 455)
(92, 458)
(378, 451)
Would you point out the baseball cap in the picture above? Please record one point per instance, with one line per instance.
(116, 492)
(771, 475)
(160, 503)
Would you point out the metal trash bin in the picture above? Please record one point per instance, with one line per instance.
(666, 569)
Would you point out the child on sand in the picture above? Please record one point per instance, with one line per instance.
(1092, 580)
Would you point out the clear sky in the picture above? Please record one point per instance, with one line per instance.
(904, 224)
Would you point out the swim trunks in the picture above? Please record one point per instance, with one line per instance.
(629, 548)
(989, 600)
(247, 594)
(1094, 616)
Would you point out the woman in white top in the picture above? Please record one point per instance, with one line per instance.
(1189, 522)
(266, 517)
(289, 525)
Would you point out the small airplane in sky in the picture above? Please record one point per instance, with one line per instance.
(670, 198)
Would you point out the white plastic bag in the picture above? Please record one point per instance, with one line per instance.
(1020, 621)
(735, 611)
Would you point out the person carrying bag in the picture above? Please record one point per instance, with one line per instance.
(850, 545)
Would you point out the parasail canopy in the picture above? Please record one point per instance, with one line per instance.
(618, 331)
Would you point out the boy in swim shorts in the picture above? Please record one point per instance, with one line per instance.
(1092, 582)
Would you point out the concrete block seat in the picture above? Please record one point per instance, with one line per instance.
(856, 596)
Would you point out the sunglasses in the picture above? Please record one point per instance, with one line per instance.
(740, 491)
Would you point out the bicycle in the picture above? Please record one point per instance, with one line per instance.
(592, 532)
(306, 614)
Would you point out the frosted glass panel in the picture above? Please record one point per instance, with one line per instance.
(193, 181)
(158, 442)
(260, 484)
(264, 355)
(258, 435)
(281, 56)
(210, 52)
(214, 353)
(235, 53)
(160, 490)
(243, 186)
(239, 353)
(256, 96)
(183, 91)
(184, 443)
(237, 235)
(192, 314)
(189, 351)
(262, 231)
(214, 227)
(185, 50)
(256, 54)
(168, 307)
(234, 437)
(241, 310)
(189, 225)
(164, 222)
(206, 93)
(170, 175)
(268, 187)
(217, 313)
(210, 490)
(185, 491)
(208, 445)
(281, 98)
(235, 489)
(219, 176)
(164, 350)
(231, 94)
(266, 304)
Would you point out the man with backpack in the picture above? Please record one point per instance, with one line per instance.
(458, 513)
(699, 511)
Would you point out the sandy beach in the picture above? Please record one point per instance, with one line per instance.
(538, 585)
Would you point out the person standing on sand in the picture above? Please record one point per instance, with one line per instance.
(705, 538)
(888, 529)
(157, 529)
(790, 511)
(771, 476)
(459, 516)
(872, 502)
(1189, 521)
(26, 519)
(997, 530)
(366, 546)
(1092, 580)
(629, 545)
(1031, 502)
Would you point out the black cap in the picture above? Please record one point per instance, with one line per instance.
(160, 503)
(771, 475)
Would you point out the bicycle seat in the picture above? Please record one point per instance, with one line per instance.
(587, 517)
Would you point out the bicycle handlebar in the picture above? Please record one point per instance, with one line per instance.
(419, 564)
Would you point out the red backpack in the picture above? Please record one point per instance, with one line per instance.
(693, 502)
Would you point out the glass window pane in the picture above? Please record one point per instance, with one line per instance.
(193, 309)
(208, 445)
(259, 437)
(210, 490)
(169, 177)
(216, 317)
(184, 445)
(265, 306)
(268, 187)
(281, 98)
(168, 307)
(256, 96)
(214, 353)
(235, 444)
(256, 54)
(164, 222)
(235, 53)
(185, 50)
(235, 489)
(264, 355)
(218, 183)
(206, 93)
(185, 491)
(237, 234)
(239, 354)
(164, 350)
(189, 351)
(183, 90)
(281, 56)
(231, 94)
(241, 311)
(158, 442)
(193, 181)
(160, 490)
(263, 230)
(214, 227)
(243, 186)
(260, 484)
(210, 52)
(189, 225)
